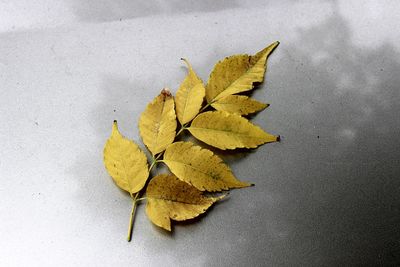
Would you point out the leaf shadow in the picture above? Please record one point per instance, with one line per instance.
(331, 191)
(121, 103)
(102, 10)
(162, 231)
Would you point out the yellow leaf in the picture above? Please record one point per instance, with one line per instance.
(189, 96)
(169, 198)
(200, 167)
(157, 123)
(237, 74)
(238, 104)
(125, 162)
(228, 131)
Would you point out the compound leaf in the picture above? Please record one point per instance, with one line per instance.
(237, 74)
(200, 167)
(169, 198)
(238, 104)
(189, 96)
(157, 124)
(228, 131)
(125, 162)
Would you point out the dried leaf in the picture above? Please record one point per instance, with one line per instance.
(157, 123)
(189, 96)
(178, 196)
(238, 104)
(169, 198)
(125, 162)
(200, 167)
(228, 131)
(237, 74)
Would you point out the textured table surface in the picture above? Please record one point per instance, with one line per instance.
(326, 195)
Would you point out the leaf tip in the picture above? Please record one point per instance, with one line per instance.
(275, 44)
(166, 92)
(187, 63)
(272, 47)
(115, 126)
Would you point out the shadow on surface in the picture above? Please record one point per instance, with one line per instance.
(335, 172)
(337, 169)
(104, 10)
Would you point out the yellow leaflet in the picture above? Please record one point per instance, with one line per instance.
(228, 131)
(125, 162)
(157, 123)
(169, 198)
(237, 74)
(238, 104)
(189, 96)
(200, 167)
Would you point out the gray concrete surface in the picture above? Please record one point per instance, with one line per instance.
(327, 195)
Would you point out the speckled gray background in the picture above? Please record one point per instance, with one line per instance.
(327, 195)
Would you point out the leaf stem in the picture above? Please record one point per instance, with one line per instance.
(159, 155)
(152, 164)
(206, 106)
(129, 238)
(180, 130)
(135, 198)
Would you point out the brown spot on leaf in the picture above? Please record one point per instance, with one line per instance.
(165, 92)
